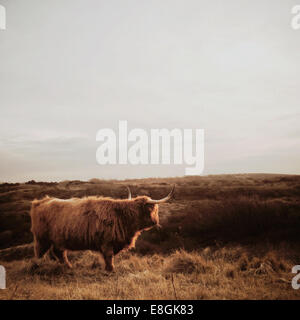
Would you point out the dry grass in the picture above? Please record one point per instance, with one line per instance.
(225, 273)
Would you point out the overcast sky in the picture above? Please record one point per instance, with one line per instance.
(71, 67)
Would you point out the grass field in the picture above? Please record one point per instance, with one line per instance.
(222, 237)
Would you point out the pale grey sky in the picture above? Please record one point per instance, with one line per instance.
(71, 67)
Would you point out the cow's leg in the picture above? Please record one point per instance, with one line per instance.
(65, 256)
(56, 254)
(40, 247)
(60, 255)
(108, 256)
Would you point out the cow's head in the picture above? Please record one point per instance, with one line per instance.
(148, 210)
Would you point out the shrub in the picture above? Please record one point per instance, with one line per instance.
(184, 262)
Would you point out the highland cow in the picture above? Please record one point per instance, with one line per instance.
(93, 223)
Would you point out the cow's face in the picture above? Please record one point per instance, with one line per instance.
(149, 215)
(148, 209)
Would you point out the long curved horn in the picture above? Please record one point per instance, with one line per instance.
(167, 198)
(129, 193)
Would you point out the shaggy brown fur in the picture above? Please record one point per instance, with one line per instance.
(93, 223)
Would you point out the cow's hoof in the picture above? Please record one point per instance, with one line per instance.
(109, 269)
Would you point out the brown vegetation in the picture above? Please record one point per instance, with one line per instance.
(233, 272)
